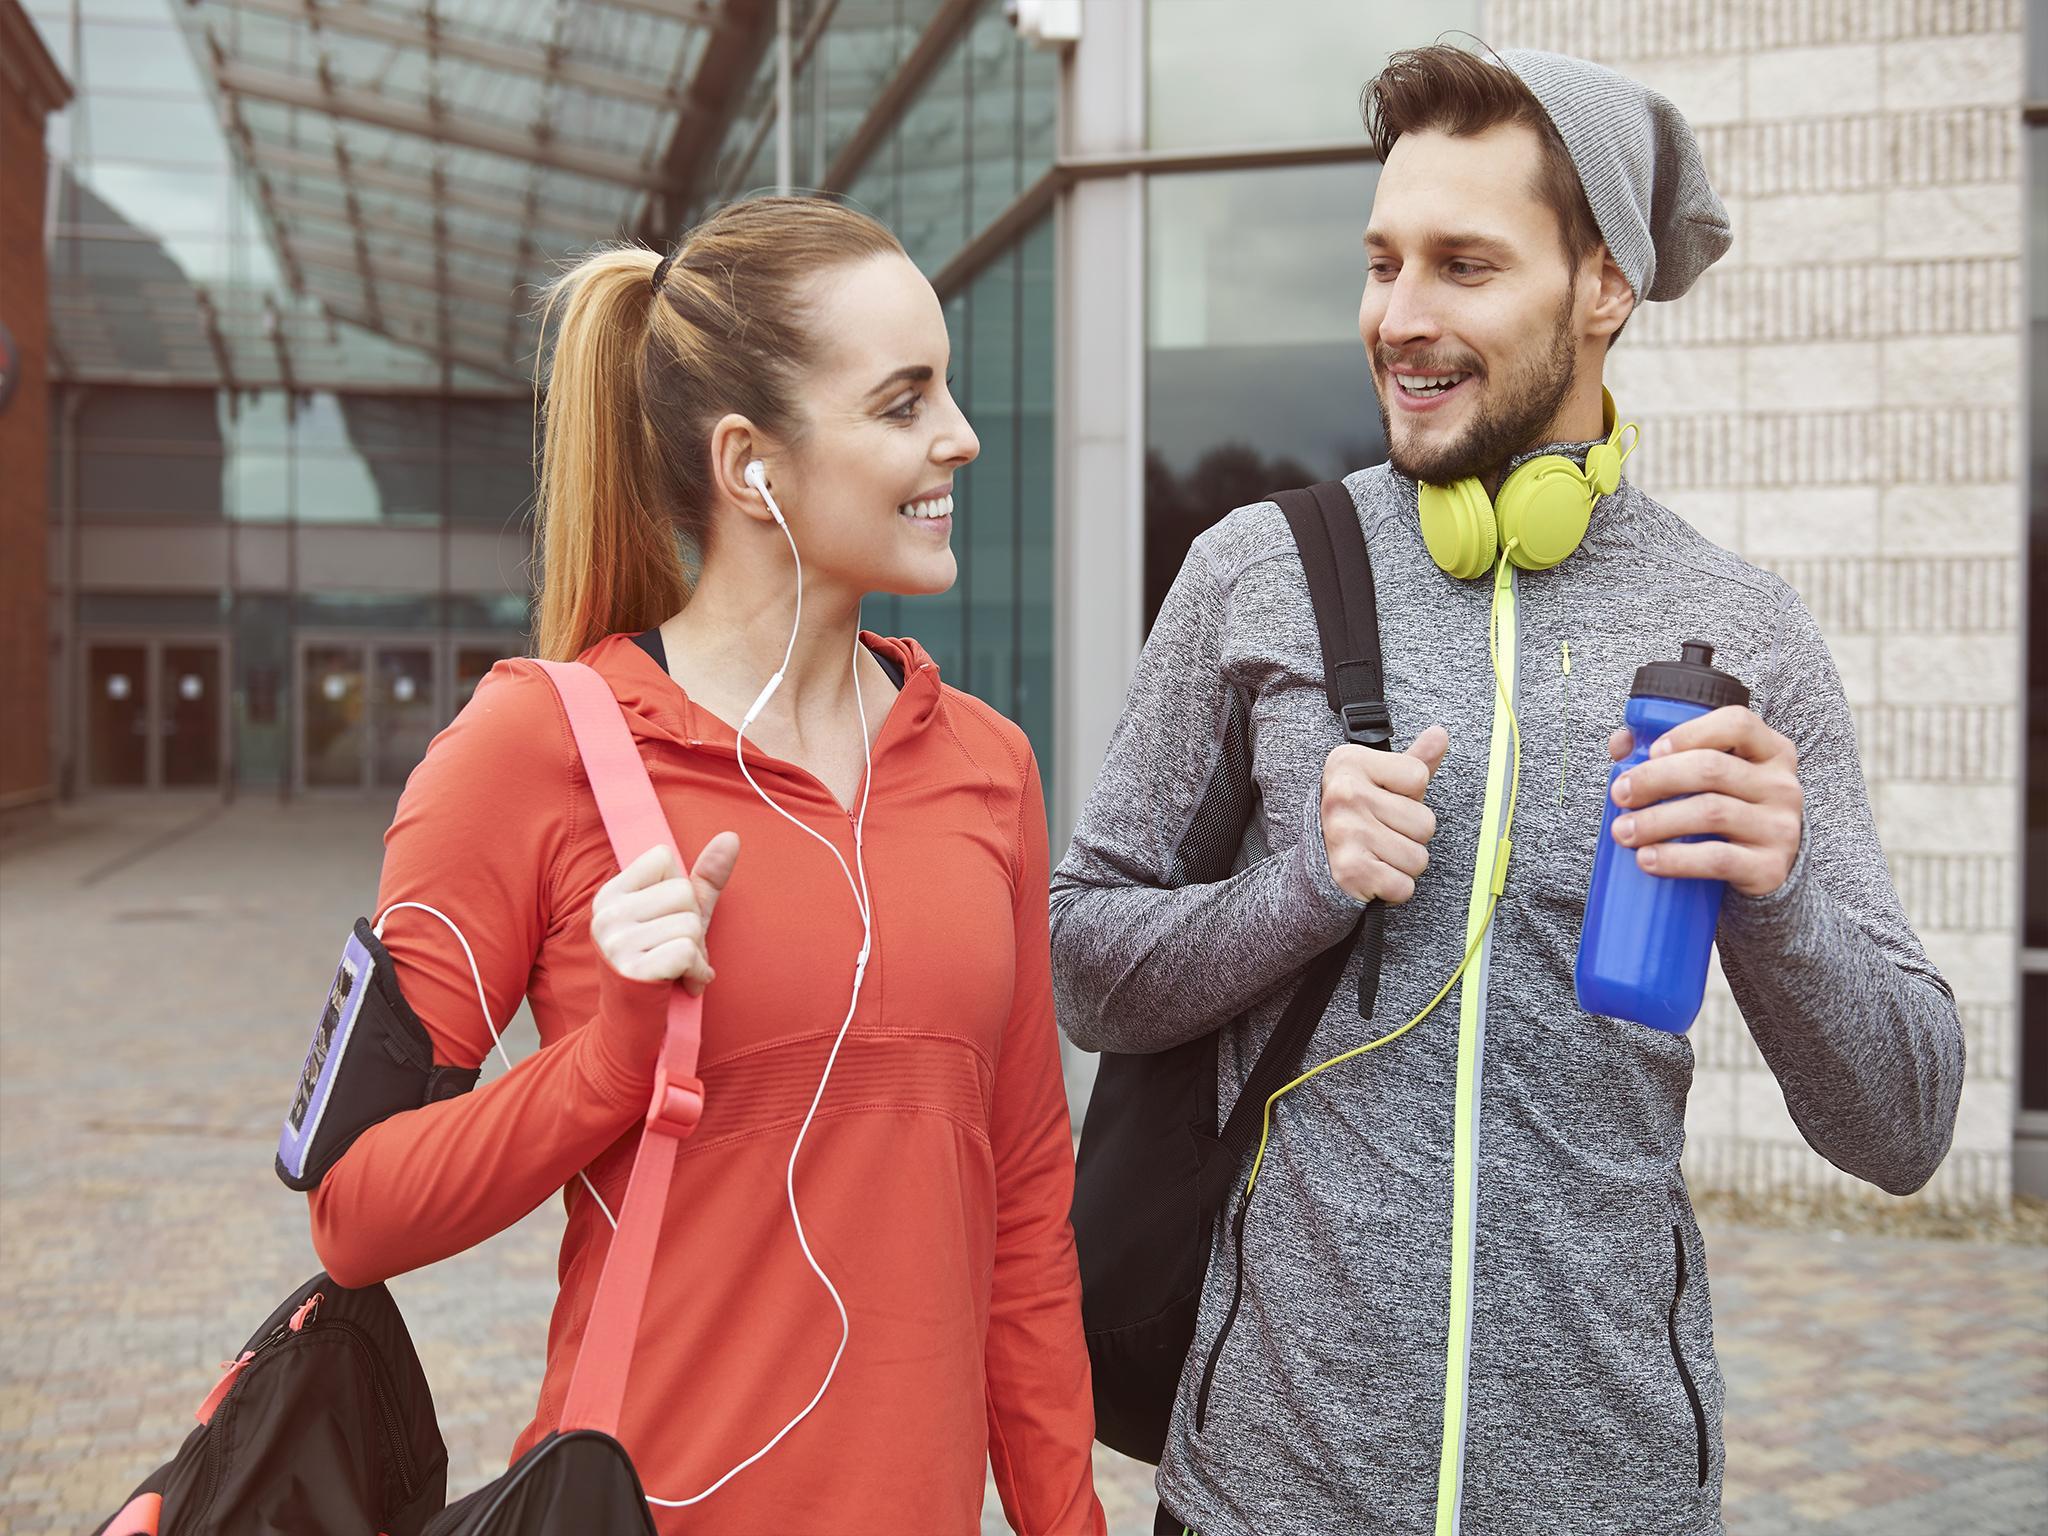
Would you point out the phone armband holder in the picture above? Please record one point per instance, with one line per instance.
(371, 1058)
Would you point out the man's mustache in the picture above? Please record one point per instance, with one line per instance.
(1384, 360)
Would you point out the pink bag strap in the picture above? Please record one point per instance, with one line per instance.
(634, 821)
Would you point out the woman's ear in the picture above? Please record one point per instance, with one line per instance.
(735, 443)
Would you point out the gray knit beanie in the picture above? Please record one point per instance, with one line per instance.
(1640, 165)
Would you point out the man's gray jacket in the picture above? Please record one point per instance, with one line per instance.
(1532, 1352)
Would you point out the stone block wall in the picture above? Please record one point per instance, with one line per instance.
(1840, 399)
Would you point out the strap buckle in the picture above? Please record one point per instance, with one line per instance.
(1369, 725)
(678, 1104)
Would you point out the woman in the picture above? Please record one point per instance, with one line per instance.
(936, 1170)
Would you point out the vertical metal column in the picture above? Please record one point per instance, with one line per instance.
(785, 148)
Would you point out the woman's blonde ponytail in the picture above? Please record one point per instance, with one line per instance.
(606, 544)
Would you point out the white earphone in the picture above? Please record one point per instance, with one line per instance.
(856, 879)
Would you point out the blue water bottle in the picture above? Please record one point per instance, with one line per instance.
(1644, 949)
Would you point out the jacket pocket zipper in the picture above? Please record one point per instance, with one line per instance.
(1564, 751)
(1692, 1391)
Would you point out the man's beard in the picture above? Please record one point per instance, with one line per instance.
(1514, 414)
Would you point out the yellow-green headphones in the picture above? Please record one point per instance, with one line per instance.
(1540, 515)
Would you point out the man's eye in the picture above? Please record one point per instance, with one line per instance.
(1464, 268)
(1383, 270)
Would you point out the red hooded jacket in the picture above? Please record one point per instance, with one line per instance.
(936, 1178)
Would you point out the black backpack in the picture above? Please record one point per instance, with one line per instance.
(1153, 1171)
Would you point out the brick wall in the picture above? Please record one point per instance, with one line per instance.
(1840, 400)
(25, 772)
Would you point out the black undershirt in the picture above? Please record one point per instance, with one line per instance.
(649, 640)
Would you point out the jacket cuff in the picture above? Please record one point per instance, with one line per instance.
(1315, 858)
(625, 1036)
(1778, 915)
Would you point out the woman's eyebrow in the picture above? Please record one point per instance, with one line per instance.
(918, 373)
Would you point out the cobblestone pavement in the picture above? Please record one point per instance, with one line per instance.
(160, 962)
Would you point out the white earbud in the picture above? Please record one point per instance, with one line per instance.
(757, 477)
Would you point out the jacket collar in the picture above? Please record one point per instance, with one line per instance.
(657, 708)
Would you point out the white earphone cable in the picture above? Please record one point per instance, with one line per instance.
(857, 882)
(861, 902)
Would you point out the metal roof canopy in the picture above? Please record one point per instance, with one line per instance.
(365, 129)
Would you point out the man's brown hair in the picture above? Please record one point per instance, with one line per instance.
(1455, 92)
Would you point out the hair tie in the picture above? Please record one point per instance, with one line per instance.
(661, 271)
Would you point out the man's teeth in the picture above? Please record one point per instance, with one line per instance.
(1430, 383)
(939, 506)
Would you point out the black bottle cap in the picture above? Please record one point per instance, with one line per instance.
(1692, 679)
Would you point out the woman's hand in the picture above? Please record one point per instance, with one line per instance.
(650, 923)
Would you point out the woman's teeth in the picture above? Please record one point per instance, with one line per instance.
(938, 506)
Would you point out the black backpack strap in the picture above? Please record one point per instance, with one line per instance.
(1332, 545)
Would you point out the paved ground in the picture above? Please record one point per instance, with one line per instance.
(159, 965)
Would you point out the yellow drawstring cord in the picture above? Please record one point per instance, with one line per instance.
(1500, 577)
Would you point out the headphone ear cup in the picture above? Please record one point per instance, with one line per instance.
(1544, 509)
(1458, 526)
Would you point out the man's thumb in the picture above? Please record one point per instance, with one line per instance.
(713, 868)
(1429, 748)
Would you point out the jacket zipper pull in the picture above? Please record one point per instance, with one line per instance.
(1564, 652)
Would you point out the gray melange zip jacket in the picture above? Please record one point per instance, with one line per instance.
(1586, 1399)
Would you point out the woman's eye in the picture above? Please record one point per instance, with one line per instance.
(906, 410)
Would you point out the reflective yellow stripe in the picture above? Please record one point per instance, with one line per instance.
(1488, 876)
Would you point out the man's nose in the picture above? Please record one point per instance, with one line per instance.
(1409, 316)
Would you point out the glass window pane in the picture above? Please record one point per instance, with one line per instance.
(333, 704)
(261, 656)
(259, 486)
(932, 209)
(1255, 376)
(186, 130)
(995, 172)
(1290, 75)
(159, 199)
(1035, 332)
(1039, 111)
(988, 527)
(130, 56)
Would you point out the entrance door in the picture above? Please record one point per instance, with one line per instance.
(404, 716)
(367, 710)
(190, 691)
(118, 715)
(153, 716)
(333, 715)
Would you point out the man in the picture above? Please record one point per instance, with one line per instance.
(1473, 1293)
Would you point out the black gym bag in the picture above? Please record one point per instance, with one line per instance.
(1153, 1172)
(322, 1426)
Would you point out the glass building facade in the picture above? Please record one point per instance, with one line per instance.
(291, 463)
